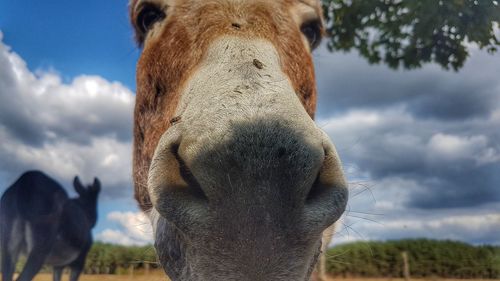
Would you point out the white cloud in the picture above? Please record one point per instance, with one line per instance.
(390, 142)
(480, 226)
(469, 224)
(133, 228)
(116, 237)
(65, 129)
(414, 177)
(457, 148)
(420, 148)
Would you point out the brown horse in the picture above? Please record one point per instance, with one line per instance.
(237, 179)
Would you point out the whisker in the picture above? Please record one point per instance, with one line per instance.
(361, 236)
(366, 187)
(365, 213)
(336, 255)
(368, 219)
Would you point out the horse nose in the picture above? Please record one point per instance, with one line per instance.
(258, 169)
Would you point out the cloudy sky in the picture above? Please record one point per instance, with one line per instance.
(421, 148)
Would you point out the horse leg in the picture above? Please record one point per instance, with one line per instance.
(57, 273)
(43, 236)
(12, 238)
(7, 263)
(78, 265)
(76, 269)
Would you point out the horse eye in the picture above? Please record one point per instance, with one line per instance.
(312, 31)
(148, 16)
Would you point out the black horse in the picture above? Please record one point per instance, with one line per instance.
(38, 218)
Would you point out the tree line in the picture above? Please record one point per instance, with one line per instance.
(426, 258)
(105, 258)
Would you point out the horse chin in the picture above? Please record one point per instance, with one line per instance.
(198, 259)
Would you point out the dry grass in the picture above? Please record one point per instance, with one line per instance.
(401, 279)
(154, 276)
(159, 276)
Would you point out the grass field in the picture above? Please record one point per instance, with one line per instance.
(158, 276)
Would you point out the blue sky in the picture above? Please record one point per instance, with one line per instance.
(421, 148)
(72, 37)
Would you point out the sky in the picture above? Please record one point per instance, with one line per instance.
(421, 148)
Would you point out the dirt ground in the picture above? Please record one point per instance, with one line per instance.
(155, 276)
(158, 276)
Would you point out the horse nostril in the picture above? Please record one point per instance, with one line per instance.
(194, 187)
(319, 188)
(327, 197)
(173, 189)
(315, 190)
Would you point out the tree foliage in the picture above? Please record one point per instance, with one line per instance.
(112, 259)
(410, 33)
(427, 258)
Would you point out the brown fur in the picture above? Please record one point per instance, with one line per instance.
(170, 57)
